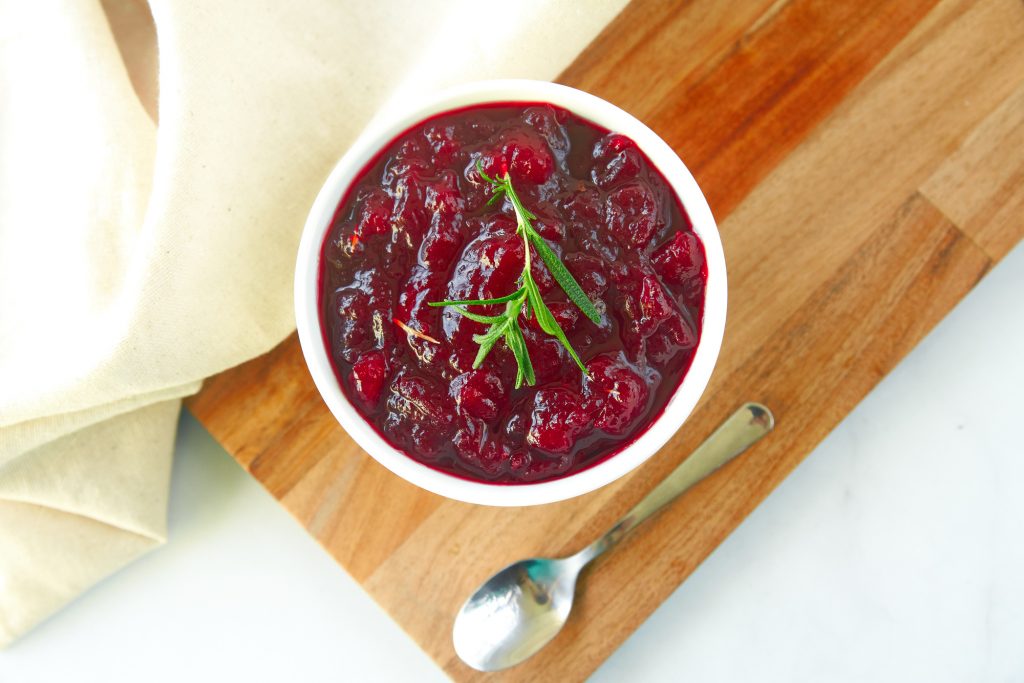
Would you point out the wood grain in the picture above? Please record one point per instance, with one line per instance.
(981, 186)
(863, 161)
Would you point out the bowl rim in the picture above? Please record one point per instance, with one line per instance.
(380, 132)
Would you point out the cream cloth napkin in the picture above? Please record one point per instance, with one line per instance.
(137, 259)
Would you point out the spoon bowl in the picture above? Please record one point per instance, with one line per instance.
(516, 612)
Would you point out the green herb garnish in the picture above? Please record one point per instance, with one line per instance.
(506, 325)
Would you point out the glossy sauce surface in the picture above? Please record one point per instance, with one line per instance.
(414, 228)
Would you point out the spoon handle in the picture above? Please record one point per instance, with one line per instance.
(742, 429)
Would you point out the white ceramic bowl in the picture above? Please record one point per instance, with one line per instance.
(379, 134)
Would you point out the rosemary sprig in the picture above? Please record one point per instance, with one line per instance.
(506, 325)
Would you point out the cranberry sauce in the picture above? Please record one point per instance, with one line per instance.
(415, 228)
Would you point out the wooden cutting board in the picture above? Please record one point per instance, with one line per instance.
(865, 160)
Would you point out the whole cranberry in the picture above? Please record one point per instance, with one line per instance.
(442, 242)
(422, 286)
(479, 450)
(654, 303)
(442, 196)
(612, 145)
(614, 393)
(419, 410)
(528, 158)
(412, 159)
(545, 121)
(410, 217)
(478, 393)
(680, 259)
(462, 349)
(632, 214)
(550, 229)
(616, 160)
(584, 208)
(547, 355)
(368, 375)
(557, 421)
(489, 267)
(641, 310)
(360, 309)
(374, 214)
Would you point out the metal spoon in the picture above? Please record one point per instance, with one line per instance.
(521, 608)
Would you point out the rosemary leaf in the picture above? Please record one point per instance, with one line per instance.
(485, 348)
(486, 319)
(564, 278)
(547, 322)
(516, 342)
(478, 302)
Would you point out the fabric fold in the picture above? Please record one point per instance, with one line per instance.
(78, 508)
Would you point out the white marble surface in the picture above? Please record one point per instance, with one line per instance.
(894, 553)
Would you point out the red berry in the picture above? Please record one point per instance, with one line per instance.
(584, 209)
(549, 228)
(680, 331)
(368, 375)
(632, 214)
(528, 159)
(547, 355)
(491, 265)
(557, 421)
(622, 167)
(680, 259)
(459, 332)
(616, 160)
(443, 197)
(420, 412)
(374, 214)
(412, 159)
(614, 393)
(654, 304)
(475, 446)
(441, 243)
(640, 302)
(612, 145)
(421, 287)
(491, 163)
(358, 307)
(546, 122)
(478, 393)
(409, 218)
